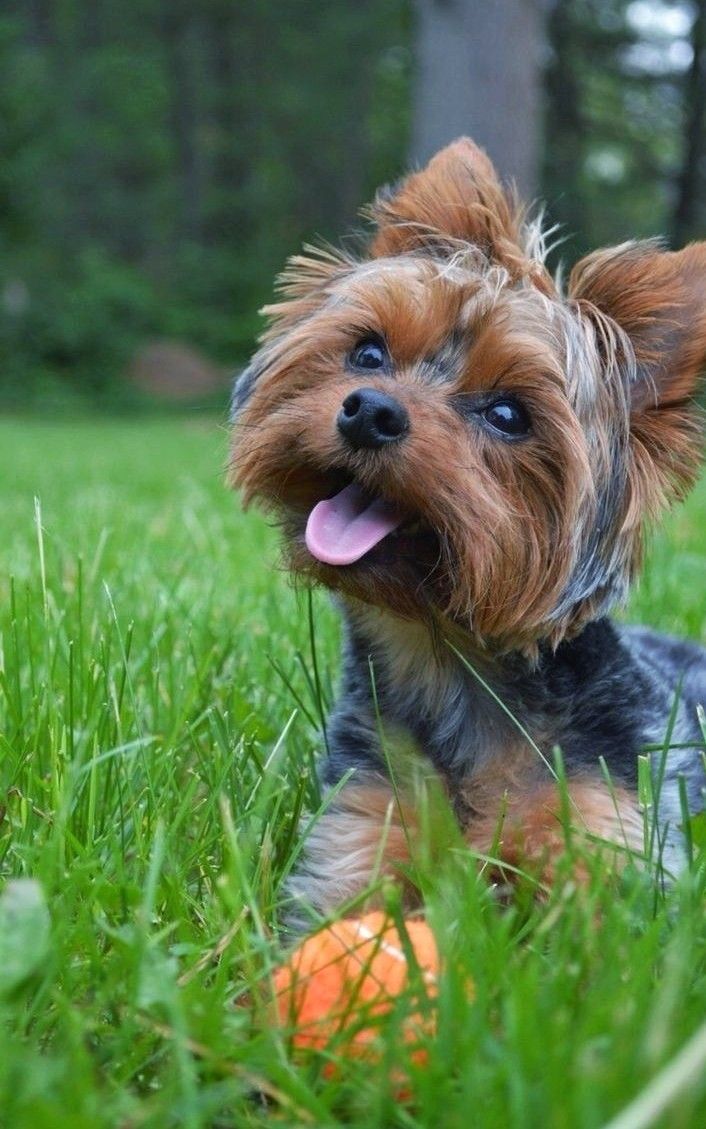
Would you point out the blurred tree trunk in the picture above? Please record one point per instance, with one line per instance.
(693, 174)
(479, 74)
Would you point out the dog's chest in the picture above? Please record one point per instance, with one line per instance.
(432, 696)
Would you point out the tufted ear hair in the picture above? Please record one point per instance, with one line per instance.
(458, 196)
(657, 299)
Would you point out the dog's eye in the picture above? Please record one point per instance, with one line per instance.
(508, 417)
(369, 354)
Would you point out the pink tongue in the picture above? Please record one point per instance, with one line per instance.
(342, 529)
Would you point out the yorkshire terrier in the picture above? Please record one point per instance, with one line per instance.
(466, 452)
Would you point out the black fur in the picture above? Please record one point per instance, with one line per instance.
(608, 693)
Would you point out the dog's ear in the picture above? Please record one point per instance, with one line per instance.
(658, 299)
(458, 196)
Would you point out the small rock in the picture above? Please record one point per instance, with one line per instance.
(170, 370)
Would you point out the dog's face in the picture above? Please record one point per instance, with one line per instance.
(442, 433)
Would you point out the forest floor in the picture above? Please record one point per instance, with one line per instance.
(159, 722)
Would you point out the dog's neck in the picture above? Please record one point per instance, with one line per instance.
(465, 706)
(436, 683)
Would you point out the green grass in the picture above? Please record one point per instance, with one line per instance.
(158, 727)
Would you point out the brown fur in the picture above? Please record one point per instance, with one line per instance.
(538, 821)
(656, 298)
(370, 833)
(457, 196)
(631, 330)
(540, 489)
(366, 835)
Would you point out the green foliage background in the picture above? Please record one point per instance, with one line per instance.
(160, 162)
(160, 159)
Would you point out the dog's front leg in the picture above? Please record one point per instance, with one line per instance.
(363, 836)
(530, 828)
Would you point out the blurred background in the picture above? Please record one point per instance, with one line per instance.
(159, 159)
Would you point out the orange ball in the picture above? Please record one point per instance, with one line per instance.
(336, 982)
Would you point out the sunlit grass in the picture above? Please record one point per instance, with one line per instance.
(158, 727)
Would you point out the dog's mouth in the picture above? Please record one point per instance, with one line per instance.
(342, 529)
(349, 522)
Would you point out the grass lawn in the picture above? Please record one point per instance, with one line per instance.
(158, 727)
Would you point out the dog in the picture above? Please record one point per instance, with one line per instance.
(466, 453)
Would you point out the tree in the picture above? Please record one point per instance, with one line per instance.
(692, 178)
(618, 110)
(479, 73)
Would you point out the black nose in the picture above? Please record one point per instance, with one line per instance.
(369, 418)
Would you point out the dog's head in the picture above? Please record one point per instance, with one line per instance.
(443, 432)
